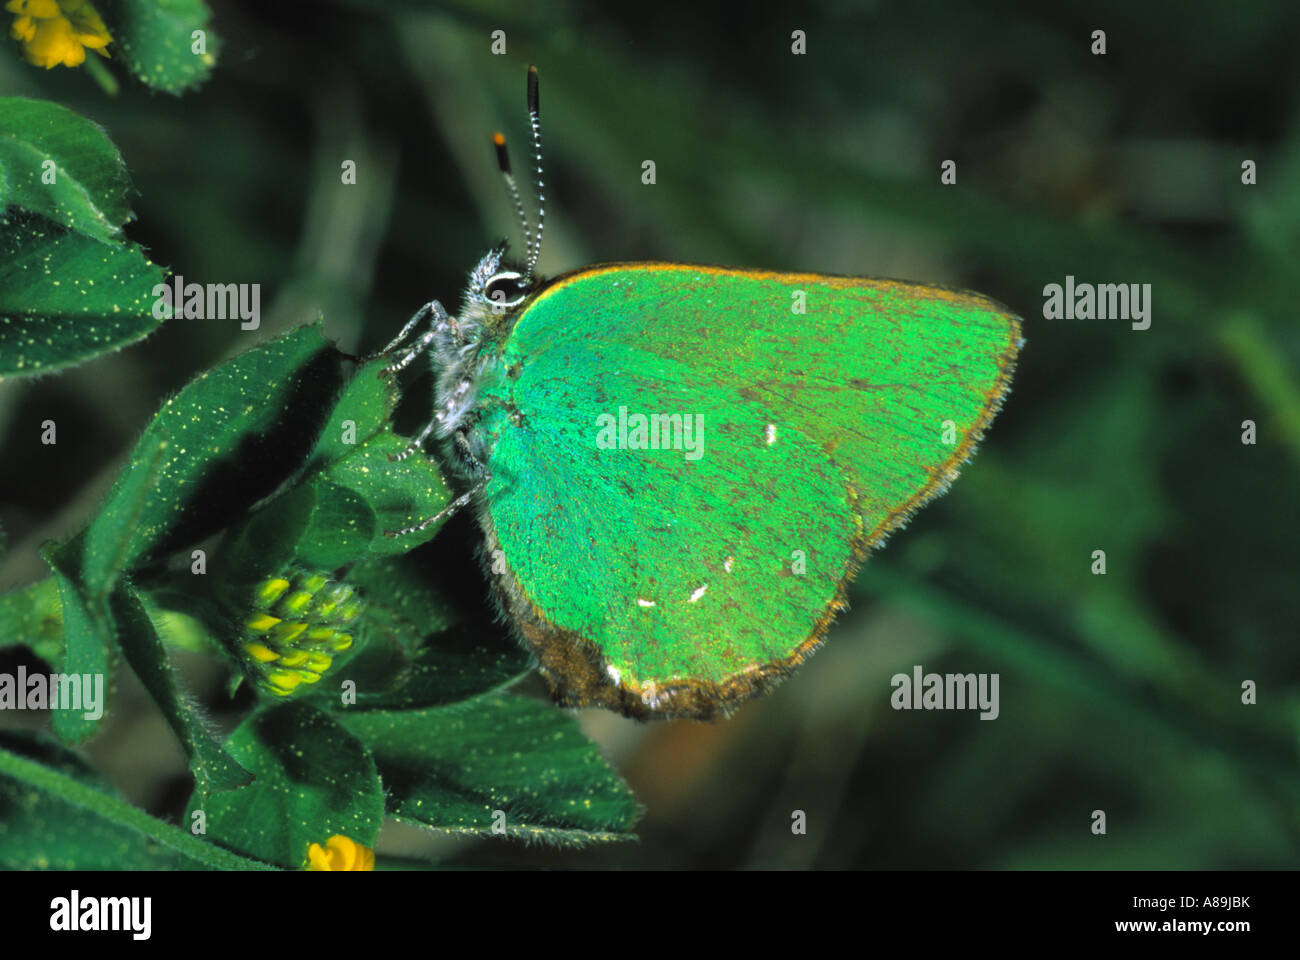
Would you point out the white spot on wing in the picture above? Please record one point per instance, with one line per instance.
(726, 564)
(698, 593)
(650, 696)
(614, 675)
(769, 434)
(644, 603)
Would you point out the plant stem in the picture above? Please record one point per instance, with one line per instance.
(102, 76)
(117, 811)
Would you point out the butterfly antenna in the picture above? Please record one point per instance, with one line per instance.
(534, 116)
(503, 161)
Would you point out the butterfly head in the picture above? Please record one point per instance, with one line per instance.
(497, 288)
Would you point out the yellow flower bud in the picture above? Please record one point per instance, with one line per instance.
(271, 590)
(260, 653)
(261, 622)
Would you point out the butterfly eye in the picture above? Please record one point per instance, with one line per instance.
(505, 289)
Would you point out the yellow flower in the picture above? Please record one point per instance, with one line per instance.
(57, 32)
(340, 853)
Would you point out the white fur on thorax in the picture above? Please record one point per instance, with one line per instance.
(461, 350)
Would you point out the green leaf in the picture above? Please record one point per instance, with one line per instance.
(418, 650)
(233, 435)
(33, 616)
(400, 493)
(87, 637)
(57, 813)
(109, 536)
(357, 450)
(454, 665)
(182, 625)
(314, 780)
(65, 298)
(366, 404)
(351, 494)
(407, 599)
(213, 767)
(449, 768)
(155, 39)
(264, 544)
(40, 830)
(341, 528)
(40, 141)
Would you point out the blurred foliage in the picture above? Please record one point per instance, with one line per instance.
(165, 44)
(1119, 692)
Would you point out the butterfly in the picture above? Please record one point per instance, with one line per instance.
(679, 469)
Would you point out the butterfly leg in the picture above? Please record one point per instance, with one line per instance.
(405, 332)
(479, 466)
(453, 508)
(442, 322)
(423, 435)
(445, 513)
(413, 351)
(415, 444)
(459, 437)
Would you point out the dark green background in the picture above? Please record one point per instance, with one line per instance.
(1119, 693)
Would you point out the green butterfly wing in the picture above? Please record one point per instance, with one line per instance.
(679, 581)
